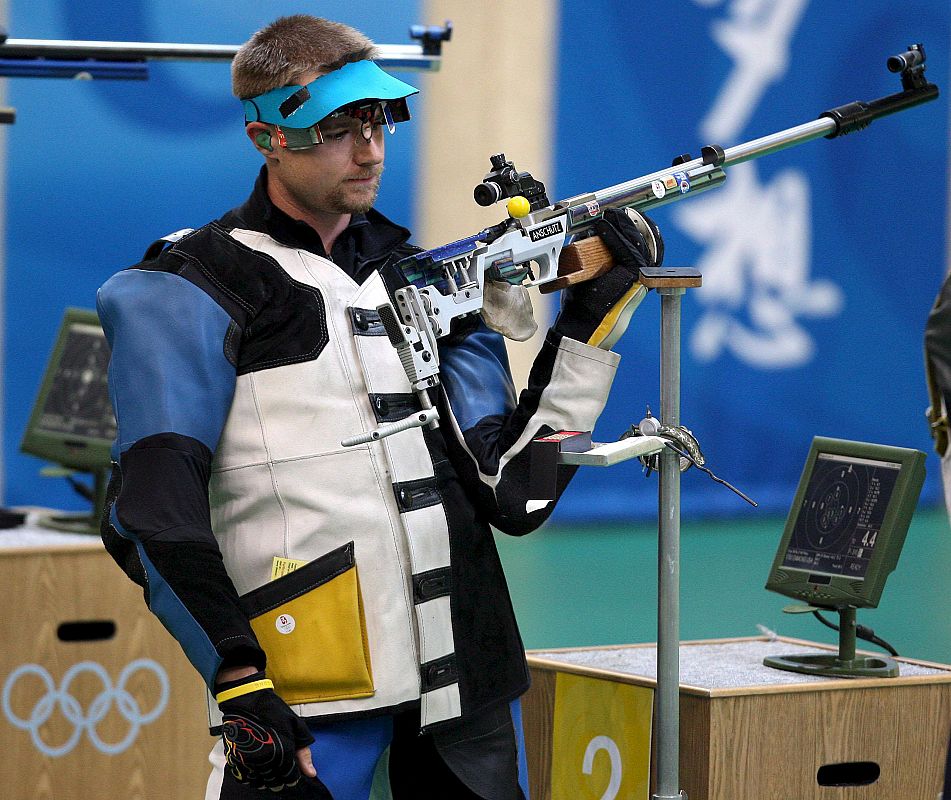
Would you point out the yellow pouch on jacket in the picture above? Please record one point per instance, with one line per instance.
(310, 623)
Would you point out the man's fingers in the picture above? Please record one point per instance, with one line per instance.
(306, 762)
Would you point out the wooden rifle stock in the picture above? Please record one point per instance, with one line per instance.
(580, 261)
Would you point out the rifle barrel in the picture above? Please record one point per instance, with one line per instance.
(737, 154)
(835, 122)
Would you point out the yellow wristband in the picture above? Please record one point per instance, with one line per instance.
(246, 688)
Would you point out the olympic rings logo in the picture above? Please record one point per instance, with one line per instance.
(89, 719)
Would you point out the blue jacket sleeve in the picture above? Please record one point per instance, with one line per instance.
(171, 385)
(489, 431)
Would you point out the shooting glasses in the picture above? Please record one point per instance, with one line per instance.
(357, 98)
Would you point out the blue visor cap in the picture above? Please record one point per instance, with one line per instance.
(304, 106)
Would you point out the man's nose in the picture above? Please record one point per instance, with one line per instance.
(368, 153)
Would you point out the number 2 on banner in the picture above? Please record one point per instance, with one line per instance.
(593, 715)
(608, 744)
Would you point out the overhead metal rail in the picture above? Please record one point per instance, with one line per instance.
(91, 60)
(423, 56)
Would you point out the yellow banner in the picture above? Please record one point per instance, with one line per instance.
(602, 738)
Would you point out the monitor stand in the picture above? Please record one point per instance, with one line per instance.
(843, 665)
(69, 522)
(78, 522)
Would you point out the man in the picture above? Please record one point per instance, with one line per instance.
(341, 604)
(938, 378)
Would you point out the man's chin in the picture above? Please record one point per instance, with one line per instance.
(357, 200)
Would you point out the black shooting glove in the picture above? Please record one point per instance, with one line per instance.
(261, 734)
(598, 311)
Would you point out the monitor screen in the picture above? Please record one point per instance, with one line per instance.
(848, 522)
(72, 423)
(841, 515)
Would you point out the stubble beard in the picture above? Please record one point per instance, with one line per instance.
(348, 198)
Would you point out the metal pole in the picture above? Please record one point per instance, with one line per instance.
(668, 557)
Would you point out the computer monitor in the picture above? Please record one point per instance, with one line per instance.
(72, 423)
(843, 535)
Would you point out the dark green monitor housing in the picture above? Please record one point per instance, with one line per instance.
(72, 423)
(842, 539)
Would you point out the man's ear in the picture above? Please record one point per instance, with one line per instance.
(260, 135)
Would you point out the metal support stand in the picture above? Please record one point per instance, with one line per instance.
(671, 284)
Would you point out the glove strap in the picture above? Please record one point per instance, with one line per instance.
(244, 688)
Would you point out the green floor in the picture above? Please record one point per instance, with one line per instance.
(583, 586)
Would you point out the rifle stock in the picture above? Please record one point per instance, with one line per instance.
(580, 261)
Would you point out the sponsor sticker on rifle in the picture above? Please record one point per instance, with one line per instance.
(683, 182)
(670, 182)
(551, 229)
(658, 188)
(594, 208)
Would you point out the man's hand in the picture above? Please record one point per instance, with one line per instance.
(633, 238)
(266, 744)
(597, 312)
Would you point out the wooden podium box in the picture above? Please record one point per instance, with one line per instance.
(98, 700)
(749, 732)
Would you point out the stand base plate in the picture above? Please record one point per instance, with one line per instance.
(832, 665)
(70, 523)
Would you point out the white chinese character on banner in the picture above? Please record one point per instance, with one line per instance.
(755, 270)
(757, 236)
(757, 38)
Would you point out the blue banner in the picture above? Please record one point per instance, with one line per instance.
(820, 263)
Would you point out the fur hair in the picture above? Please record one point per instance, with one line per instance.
(280, 53)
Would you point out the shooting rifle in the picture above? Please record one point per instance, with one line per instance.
(552, 245)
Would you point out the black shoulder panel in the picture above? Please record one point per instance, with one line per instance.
(281, 321)
(393, 277)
